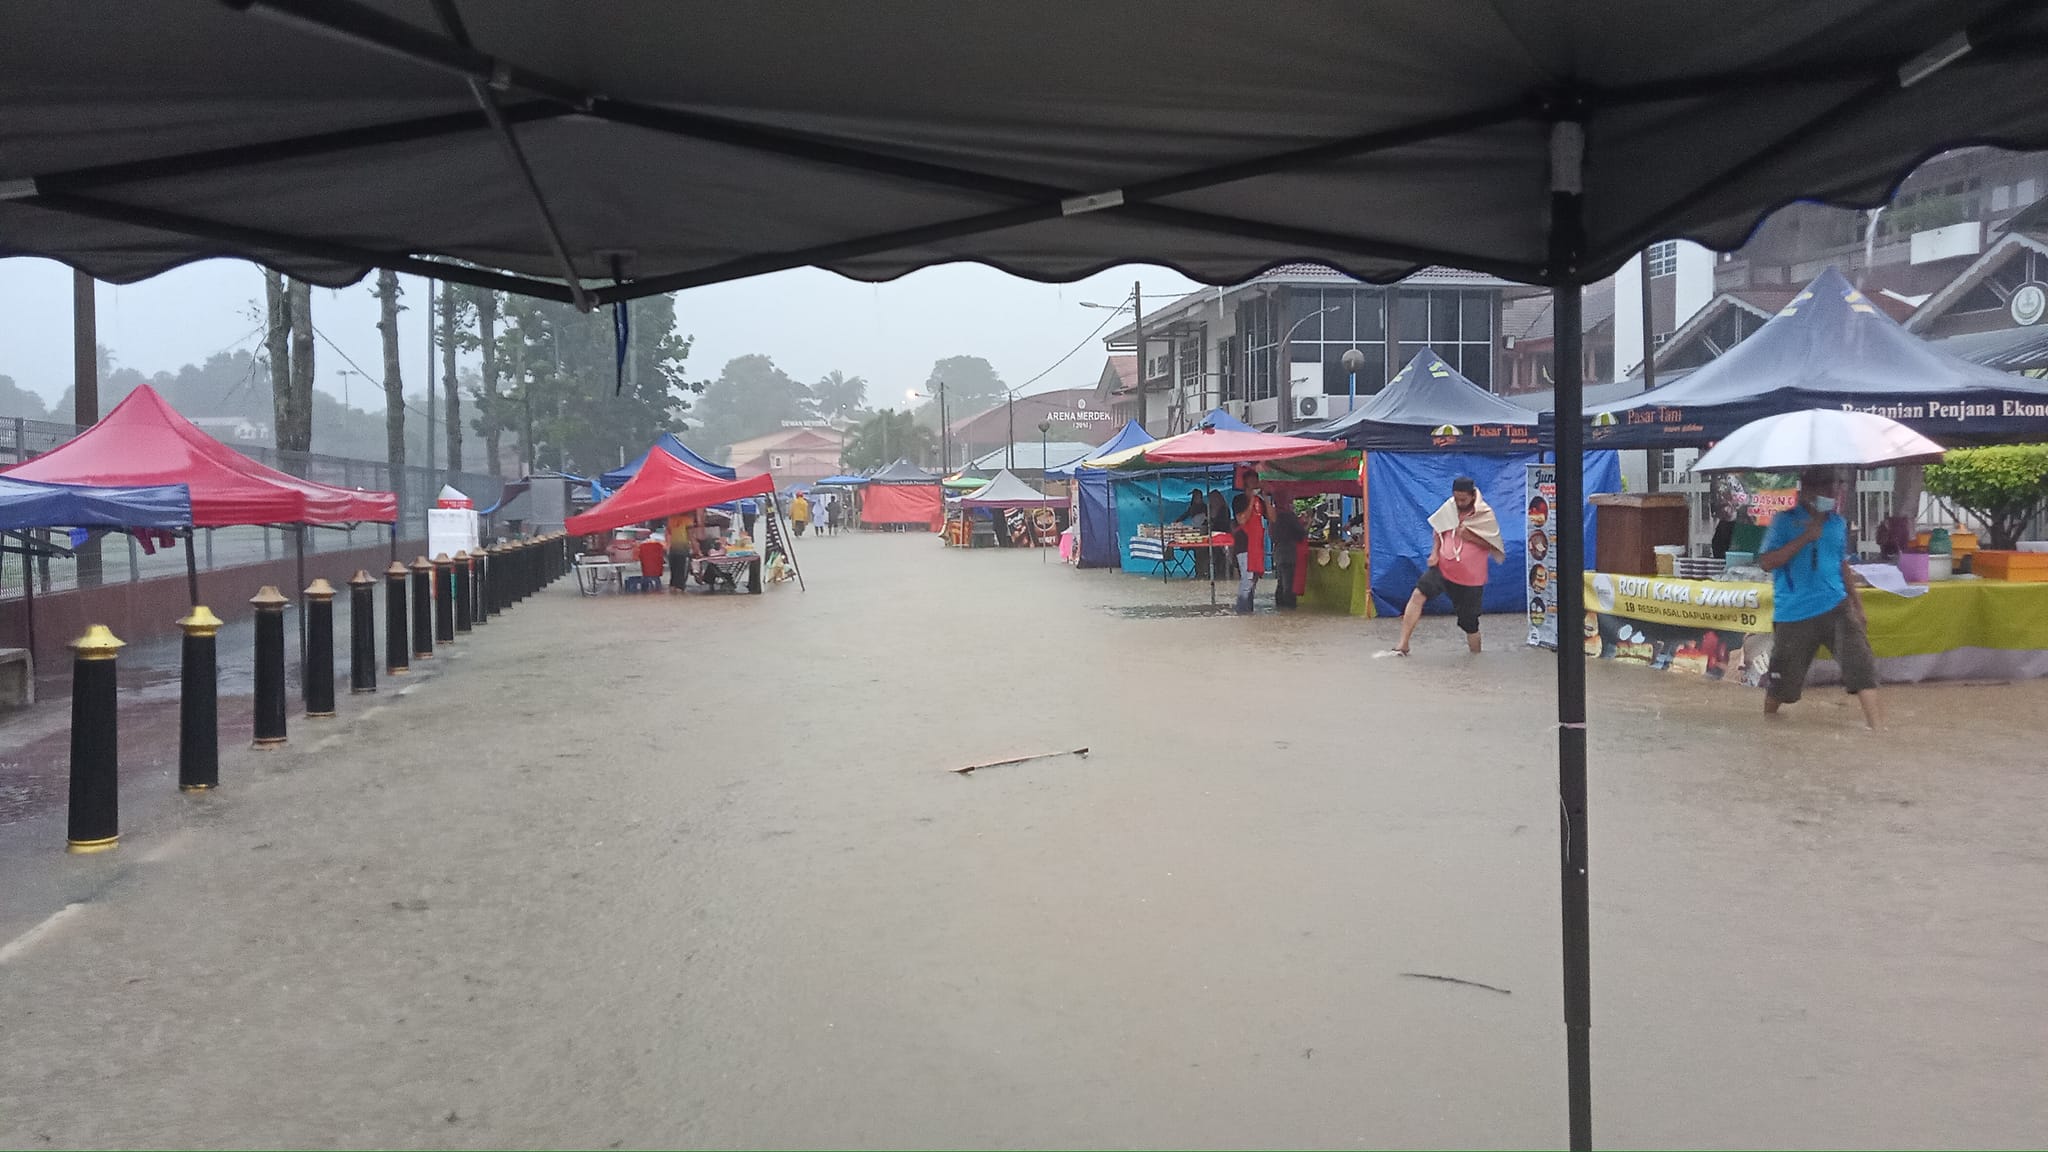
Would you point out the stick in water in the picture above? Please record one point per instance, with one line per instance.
(1455, 980)
(1020, 760)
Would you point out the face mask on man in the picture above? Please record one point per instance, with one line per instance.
(1823, 504)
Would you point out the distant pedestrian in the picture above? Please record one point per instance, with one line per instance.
(799, 513)
(821, 514)
(1466, 539)
(749, 512)
(1815, 602)
(1248, 545)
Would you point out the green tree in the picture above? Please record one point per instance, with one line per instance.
(751, 397)
(388, 309)
(837, 391)
(886, 437)
(562, 370)
(2003, 487)
(19, 401)
(972, 386)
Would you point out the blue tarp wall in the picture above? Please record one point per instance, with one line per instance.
(1097, 528)
(1138, 497)
(1403, 488)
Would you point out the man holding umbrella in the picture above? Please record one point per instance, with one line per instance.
(1815, 600)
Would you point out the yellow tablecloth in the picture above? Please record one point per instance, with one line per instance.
(1958, 614)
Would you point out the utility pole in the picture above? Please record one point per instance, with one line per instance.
(1138, 337)
(430, 391)
(85, 402)
(945, 434)
(1649, 364)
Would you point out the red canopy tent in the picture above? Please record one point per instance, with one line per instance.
(145, 441)
(665, 486)
(1211, 445)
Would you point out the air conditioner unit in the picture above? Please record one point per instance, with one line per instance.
(1315, 407)
(1235, 408)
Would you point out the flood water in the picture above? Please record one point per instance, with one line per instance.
(655, 871)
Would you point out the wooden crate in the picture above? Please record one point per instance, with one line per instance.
(2019, 567)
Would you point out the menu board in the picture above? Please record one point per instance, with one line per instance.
(1539, 575)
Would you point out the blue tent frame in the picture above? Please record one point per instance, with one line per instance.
(668, 443)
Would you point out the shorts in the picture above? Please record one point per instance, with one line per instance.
(1465, 598)
(1794, 644)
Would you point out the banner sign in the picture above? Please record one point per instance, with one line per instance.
(1713, 628)
(1538, 570)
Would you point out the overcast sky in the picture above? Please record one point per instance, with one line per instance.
(810, 321)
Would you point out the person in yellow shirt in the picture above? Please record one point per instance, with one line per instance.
(680, 527)
(799, 512)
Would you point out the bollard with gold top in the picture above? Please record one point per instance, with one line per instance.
(199, 703)
(460, 581)
(444, 599)
(318, 686)
(95, 817)
(423, 609)
(397, 644)
(270, 691)
(362, 633)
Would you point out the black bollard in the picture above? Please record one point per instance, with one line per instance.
(479, 599)
(362, 633)
(459, 567)
(95, 823)
(499, 586)
(397, 645)
(199, 703)
(444, 600)
(423, 609)
(270, 692)
(318, 682)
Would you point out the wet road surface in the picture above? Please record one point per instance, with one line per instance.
(637, 871)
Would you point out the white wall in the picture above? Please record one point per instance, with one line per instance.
(1695, 291)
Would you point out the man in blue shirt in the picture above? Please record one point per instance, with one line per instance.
(1814, 602)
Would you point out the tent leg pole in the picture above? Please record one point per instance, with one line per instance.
(299, 545)
(191, 568)
(28, 592)
(1565, 244)
(1159, 497)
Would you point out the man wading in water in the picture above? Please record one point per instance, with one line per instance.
(1467, 539)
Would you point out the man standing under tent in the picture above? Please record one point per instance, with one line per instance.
(1466, 540)
(1248, 544)
(822, 513)
(1814, 600)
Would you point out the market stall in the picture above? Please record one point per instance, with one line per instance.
(1017, 515)
(665, 486)
(1427, 427)
(26, 506)
(1091, 508)
(903, 496)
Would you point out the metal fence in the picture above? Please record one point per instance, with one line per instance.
(123, 559)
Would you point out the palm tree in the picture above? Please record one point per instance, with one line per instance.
(836, 390)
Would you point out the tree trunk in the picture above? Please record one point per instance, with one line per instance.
(394, 384)
(452, 395)
(302, 367)
(277, 340)
(489, 401)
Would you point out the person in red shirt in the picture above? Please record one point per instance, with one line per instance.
(652, 553)
(1248, 542)
(1466, 540)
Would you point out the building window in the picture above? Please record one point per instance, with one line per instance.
(1258, 328)
(1227, 373)
(2001, 198)
(1457, 325)
(1662, 258)
(1188, 371)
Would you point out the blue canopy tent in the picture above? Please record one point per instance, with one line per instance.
(30, 504)
(668, 443)
(1095, 516)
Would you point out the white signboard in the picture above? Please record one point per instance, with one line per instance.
(451, 530)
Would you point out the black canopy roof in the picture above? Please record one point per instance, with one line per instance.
(1430, 406)
(1829, 348)
(903, 472)
(682, 142)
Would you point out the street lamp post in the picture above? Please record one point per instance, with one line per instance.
(1044, 468)
(1285, 383)
(1353, 361)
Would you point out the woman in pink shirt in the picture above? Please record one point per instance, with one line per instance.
(1467, 539)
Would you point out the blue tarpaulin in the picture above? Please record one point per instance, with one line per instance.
(1403, 488)
(1140, 496)
(29, 504)
(674, 447)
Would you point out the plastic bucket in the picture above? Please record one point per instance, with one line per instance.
(1913, 566)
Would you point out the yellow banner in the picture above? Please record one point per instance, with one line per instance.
(1721, 604)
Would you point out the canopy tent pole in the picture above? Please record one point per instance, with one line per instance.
(1567, 160)
(1159, 500)
(299, 546)
(191, 568)
(28, 591)
(788, 540)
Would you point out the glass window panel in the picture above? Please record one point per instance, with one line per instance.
(1372, 316)
(1408, 351)
(1477, 364)
(1476, 324)
(1443, 317)
(1413, 313)
(1303, 318)
(1337, 325)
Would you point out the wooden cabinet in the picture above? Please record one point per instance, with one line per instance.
(1630, 525)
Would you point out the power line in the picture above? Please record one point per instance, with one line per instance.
(1068, 356)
